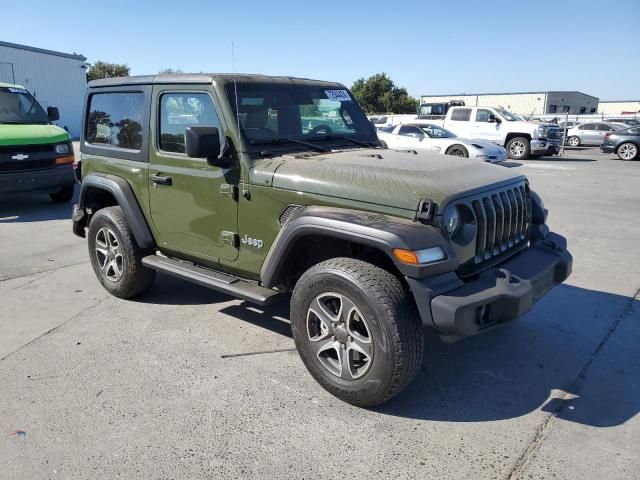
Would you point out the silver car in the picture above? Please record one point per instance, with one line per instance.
(591, 133)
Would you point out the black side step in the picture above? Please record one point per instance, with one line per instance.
(221, 282)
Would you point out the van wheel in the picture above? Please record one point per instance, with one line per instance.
(518, 148)
(458, 151)
(65, 194)
(357, 330)
(115, 256)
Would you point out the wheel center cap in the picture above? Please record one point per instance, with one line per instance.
(111, 255)
(341, 334)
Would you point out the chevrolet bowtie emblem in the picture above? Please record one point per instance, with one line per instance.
(20, 156)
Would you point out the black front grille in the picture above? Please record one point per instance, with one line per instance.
(502, 220)
(26, 165)
(554, 134)
(48, 148)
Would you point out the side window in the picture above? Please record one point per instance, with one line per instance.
(115, 120)
(410, 130)
(180, 110)
(588, 126)
(461, 114)
(605, 128)
(482, 115)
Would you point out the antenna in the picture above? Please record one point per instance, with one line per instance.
(235, 85)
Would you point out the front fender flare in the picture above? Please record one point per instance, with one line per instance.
(122, 192)
(375, 230)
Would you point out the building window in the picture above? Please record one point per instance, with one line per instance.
(565, 109)
(592, 110)
(115, 120)
(553, 108)
(583, 109)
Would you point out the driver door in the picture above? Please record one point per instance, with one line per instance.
(193, 205)
(485, 129)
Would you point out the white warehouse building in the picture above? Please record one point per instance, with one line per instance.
(56, 79)
(619, 107)
(525, 103)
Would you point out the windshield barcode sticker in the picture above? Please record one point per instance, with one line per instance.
(338, 95)
(17, 90)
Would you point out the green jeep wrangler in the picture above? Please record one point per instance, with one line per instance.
(35, 155)
(261, 186)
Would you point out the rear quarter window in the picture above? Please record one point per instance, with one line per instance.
(116, 120)
(461, 114)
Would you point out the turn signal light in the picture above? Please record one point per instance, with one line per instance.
(405, 256)
(420, 257)
(65, 160)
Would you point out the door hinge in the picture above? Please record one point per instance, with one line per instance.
(230, 191)
(230, 238)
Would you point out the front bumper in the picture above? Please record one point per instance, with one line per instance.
(608, 148)
(49, 180)
(497, 295)
(545, 147)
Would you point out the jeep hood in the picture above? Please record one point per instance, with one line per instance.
(31, 134)
(386, 177)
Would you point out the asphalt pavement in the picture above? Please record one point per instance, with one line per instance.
(97, 387)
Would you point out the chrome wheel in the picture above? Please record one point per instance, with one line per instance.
(627, 151)
(517, 149)
(573, 141)
(339, 336)
(109, 254)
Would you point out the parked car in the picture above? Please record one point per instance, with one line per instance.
(590, 134)
(630, 122)
(35, 154)
(522, 139)
(415, 136)
(370, 245)
(382, 121)
(624, 143)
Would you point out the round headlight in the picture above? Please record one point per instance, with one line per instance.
(62, 148)
(452, 220)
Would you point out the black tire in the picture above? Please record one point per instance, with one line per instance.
(458, 151)
(383, 144)
(134, 278)
(625, 151)
(64, 195)
(574, 141)
(393, 324)
(518, 148)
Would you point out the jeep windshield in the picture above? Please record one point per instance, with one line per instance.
(17, 106)
(310, 116)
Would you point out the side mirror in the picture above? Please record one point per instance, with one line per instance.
(53, 114)
(203, 142)
(492, 118)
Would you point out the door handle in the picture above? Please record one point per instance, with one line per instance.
(160, 180)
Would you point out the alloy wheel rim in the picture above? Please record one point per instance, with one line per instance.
(627, 152)
(573, 141)
(339, 336)
(456, 152)
(517, 149)
(109, 254)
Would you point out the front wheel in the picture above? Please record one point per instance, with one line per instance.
(573, 141)
(518, 148)
(357, 330)
(458, 151)
(627, 151)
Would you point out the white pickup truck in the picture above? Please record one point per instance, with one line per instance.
(522, 139)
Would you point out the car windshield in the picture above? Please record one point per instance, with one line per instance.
(272, 113)
(17, 106)
(437, 132)
(508, 116)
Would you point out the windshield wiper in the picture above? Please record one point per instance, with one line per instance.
(343, 137)
(276, 141)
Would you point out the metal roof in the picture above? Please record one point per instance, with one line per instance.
(508, 93)
(74, 56)
(619, 101)
(204, 78)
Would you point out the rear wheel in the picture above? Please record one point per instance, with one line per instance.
(357, 330)
(115, 256)
(627, 151)
(65, 194)
(458, 151)
(518, 148)
(573, 141)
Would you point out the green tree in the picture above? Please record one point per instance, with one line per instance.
(378, 94)
(106, 70)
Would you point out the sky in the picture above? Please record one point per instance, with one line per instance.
(428, 47)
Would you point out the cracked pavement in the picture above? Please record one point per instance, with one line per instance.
(156, 388)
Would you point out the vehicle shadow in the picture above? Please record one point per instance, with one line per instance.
(528, 364)
(511, 371)
(25, 207)
(509, 164)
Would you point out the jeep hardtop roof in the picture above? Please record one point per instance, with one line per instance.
(207, 79)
